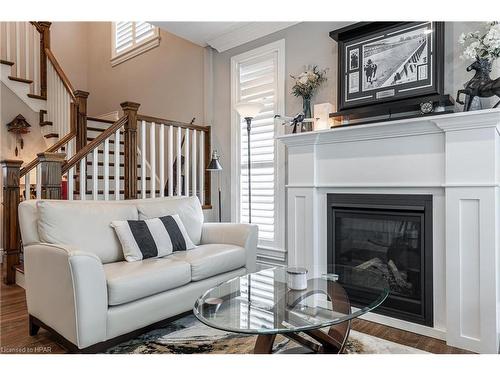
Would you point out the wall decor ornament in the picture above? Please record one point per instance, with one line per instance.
(18, 127)
(305, 86)
(483, 48)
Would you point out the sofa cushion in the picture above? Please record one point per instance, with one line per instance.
(188, 209)
(151, 238)
(130, 281)
(84, 225)
(211, 259)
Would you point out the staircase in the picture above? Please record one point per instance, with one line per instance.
(31, 71)
(137, 156)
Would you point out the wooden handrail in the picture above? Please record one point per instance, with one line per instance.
(178, 124)
(56, 146)
(60, 73)
(89, 147)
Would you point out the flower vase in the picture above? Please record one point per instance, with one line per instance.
(306, 108)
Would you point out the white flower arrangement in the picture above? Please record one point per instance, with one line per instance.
(484, 45)
(306, 83)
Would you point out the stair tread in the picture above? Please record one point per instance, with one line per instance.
(6, 62)
(18, 79)
(111, 164)
(111, 152)
(101, 177)
(91, 128)
(100, 192)
(110, 141)
(40, 97)
(51, 135)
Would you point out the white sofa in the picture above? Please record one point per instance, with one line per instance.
(79, 286)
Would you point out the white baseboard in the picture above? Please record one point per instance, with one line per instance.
(405, 326)
(436, 333)
(20, 281)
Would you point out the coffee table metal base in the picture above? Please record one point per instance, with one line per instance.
(331, 342)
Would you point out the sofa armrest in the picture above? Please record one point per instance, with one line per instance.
(244, 235)
(66, 289)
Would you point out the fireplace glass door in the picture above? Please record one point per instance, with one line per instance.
(388, 244)
(391, 239)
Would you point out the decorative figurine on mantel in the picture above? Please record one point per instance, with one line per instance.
(305, 86)
(299, 118)
(484, 49)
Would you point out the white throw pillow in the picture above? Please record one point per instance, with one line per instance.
(152, 238)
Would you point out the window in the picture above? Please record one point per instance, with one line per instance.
(258, 75)
(131, 39)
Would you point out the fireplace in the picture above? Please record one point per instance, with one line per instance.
(388, 234)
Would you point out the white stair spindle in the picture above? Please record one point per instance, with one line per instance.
(152, 158)
(117, 165)
(36, 61)
(170, 152)
(202, 167)
(18, 49)
(162, 160)
(27, 184)
(83, 177)
(194, 170)
(39, 181)
(95, 172)
(179, 160)
(27, 49)
(186, 162)
(143, 159)
(7, 43)
(71, 172)
(106, 169)
(71, 183)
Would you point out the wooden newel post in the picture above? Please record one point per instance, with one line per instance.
(51, 176)
(130, 149)
(44, 30)
(81, 119)
(11, 238)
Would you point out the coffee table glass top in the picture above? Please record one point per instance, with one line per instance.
(261, 302)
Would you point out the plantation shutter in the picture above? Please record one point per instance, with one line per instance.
(130, 34)
(258, 82)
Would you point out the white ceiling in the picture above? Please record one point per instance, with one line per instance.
(222, 35)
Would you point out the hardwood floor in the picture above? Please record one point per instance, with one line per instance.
(14, 337)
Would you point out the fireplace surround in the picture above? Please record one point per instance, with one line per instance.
(455, 158)
(390, 234)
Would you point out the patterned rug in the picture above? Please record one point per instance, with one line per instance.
(188, 336)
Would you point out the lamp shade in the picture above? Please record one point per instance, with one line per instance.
(248, 109)
(214, 163)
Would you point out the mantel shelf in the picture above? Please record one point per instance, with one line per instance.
(398, 128)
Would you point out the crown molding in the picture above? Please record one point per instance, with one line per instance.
(246, 33)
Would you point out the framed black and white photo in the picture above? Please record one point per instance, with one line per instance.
(381, 62)
(354, 59)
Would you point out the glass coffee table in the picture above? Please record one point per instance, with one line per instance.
(260, 303)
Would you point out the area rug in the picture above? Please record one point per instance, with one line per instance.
(188, 336)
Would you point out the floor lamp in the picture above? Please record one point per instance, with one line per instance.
(248, 110)
(215, 166)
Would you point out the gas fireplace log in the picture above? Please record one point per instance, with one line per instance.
(374, 262)
(402, 283)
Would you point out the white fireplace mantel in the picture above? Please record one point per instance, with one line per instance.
(454, 157)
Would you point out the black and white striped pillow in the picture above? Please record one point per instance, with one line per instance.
(152, 238)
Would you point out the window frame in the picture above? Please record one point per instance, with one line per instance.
(136, 49)
(269, 252)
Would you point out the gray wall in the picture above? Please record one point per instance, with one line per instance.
(308, 43)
